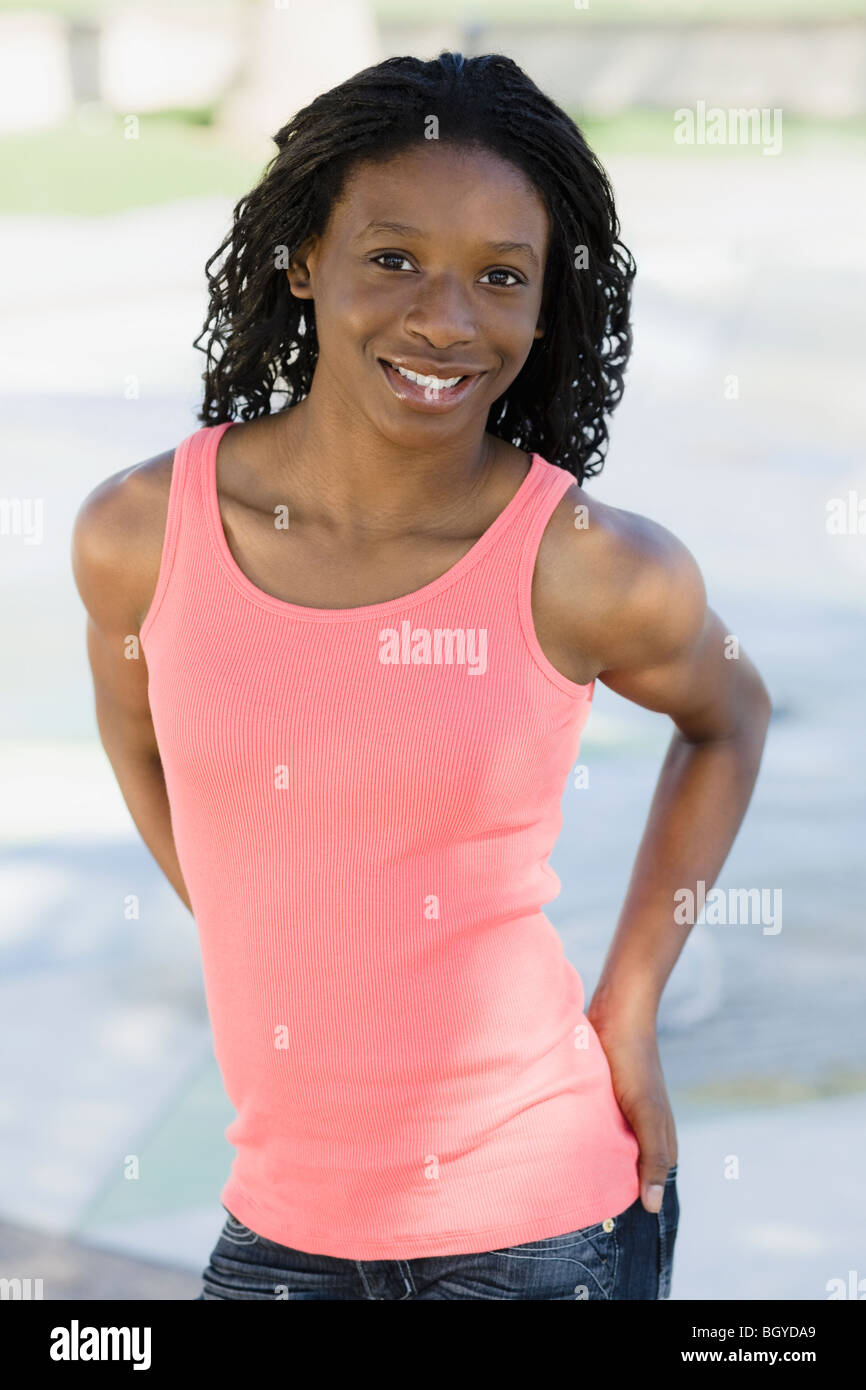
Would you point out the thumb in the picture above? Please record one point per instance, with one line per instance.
(653, 1169)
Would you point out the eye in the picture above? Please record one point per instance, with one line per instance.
(500, 270)
(398, 256)
(389, 256)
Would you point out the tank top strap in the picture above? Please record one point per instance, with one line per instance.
(186, 516)
(513, 539)
(553, 482)
(551, 487)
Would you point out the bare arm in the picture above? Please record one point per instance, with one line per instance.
(643, 626)
(670, 653)
(116, 546)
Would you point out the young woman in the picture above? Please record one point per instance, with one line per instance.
(373, 619)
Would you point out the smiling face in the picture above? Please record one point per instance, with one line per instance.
(432, 262)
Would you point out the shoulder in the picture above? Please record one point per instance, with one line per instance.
(616, 587)
(117, 539)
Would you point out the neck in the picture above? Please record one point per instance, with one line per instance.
(335, 455)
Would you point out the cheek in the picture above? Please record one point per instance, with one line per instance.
(355, 314)
(521, 322)
(510, 326)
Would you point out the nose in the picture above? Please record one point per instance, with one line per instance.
(442, 312)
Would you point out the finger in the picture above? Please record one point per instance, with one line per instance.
(653, 1168)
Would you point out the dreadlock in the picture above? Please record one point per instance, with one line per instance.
(261, 339)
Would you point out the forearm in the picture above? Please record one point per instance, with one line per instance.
(699, 802)
(142, 784)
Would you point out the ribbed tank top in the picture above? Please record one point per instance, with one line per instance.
(363, 803)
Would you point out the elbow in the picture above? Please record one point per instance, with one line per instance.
(757, 704)
(765, 701)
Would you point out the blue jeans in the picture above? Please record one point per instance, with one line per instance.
(629, 1256)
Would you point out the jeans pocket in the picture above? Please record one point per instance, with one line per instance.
(668, 1223)
(578, 1265)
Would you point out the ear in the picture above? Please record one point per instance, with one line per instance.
(298, 273)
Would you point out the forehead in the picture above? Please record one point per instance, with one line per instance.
(444, 188)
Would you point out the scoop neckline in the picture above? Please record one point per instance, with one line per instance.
(243, 582)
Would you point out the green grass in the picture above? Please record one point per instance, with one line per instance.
(651, 133)
(179, 155)
(764, 1092)
(71, 171)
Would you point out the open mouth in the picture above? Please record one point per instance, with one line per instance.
(431, 391)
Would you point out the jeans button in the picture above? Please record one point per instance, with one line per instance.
(608, 1225)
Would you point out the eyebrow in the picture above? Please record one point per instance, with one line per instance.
(403, 229)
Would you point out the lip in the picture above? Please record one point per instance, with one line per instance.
(422, 397)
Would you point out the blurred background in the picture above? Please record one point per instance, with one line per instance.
(127, 132)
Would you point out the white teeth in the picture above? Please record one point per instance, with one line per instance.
(437, 383)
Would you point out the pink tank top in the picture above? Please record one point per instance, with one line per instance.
(363, 803)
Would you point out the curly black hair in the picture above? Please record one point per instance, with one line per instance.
(261, 339)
